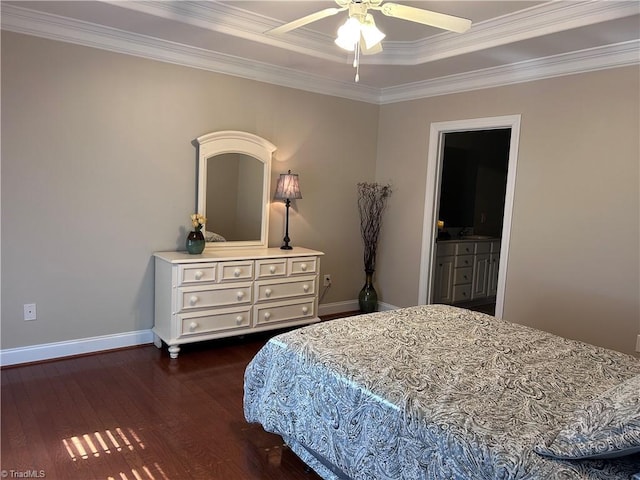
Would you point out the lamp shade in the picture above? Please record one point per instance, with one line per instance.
(288, 187)
(371, 34)
(349, 34)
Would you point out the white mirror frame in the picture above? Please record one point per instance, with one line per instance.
(230, 141)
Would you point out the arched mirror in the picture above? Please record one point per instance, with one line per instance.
(234, 170)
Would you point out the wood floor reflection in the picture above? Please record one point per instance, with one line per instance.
(135, 414)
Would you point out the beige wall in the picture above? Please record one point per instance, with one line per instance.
(574, 255)
(98, 172)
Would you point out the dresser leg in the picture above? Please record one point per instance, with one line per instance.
(174, 350)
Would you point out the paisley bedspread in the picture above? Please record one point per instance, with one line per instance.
(433, 392)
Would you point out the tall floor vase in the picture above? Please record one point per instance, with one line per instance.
(368, 298)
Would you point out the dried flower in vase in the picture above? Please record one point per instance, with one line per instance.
(197, 221)
(372, 198)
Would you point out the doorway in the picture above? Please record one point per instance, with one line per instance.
(435, 168)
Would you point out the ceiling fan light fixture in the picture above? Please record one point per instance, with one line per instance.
(349, 34)
(371, 34)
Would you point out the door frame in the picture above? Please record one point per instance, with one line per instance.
(432, 198)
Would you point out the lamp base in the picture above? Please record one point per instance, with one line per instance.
(286, 247)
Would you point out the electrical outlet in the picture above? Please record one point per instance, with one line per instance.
(327, 280)
(29, 311)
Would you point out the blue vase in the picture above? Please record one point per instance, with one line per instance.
(195, 242)
(368, 298)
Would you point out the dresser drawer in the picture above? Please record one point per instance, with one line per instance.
(190, 298)
(461, 293)
(276, 290)
(271, 268)
(283, 311)
(234, 271)
(214, 321)
(462, 276)
(196, 273)
(445, 249)
(302, 265)
(463, 261)
(464, 248)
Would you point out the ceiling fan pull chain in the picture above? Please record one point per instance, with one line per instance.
(356, 62)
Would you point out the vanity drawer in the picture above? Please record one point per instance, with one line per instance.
(214, 321)
(302, 265)
(234, 271)
(483, 247)
(190, 298)
(196, 273)
(275, 290)
(463, 261)
(461, 293)
(445, 249)
(283, 311)
(271, 268)
(464, 248)
(462, 276)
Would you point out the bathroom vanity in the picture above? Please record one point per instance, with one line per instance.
(466, 271)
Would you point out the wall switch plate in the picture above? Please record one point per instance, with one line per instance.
(638, 344)
(29, 311)
(327, 280)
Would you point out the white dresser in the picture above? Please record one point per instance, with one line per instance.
(232, 292)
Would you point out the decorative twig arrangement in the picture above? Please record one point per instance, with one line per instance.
(372, 198)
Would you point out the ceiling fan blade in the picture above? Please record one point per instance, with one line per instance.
(426, 17)
(301, 22)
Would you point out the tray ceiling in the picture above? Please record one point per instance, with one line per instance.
(509, 41)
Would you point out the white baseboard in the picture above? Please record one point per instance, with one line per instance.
(338, 307)
(385, 307)
(349, 306)
(48, 351)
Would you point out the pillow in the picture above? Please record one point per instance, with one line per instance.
(606, 427)
(213, 237)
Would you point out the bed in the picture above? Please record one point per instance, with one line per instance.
(438, 392)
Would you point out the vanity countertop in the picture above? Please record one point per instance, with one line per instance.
(469, 239)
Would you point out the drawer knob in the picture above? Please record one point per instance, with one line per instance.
(239, 319)
(193, 300)
(305, 287)
(240, 295)
(237, 272)
(193, 326)
(303, 267)
(305, 310)
(272, 269)
(267, 315)
(267, 292)
(199, 274)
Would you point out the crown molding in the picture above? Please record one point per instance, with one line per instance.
(54, 27)
(542, 19)
(601, 58)
(536, 21)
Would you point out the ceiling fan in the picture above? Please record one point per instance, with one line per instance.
(360, 34)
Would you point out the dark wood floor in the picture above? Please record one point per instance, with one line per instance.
(137, 414)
